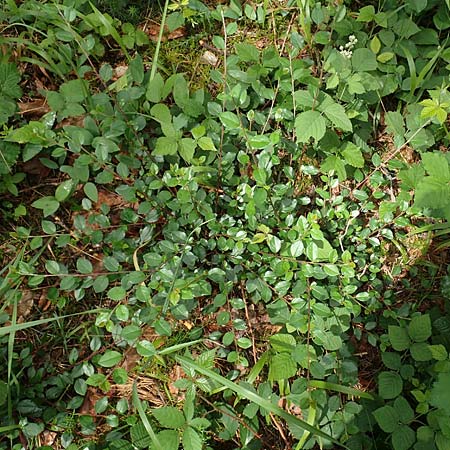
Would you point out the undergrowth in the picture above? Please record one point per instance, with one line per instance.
(225, 228)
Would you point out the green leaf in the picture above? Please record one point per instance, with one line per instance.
(399, 338)
(9, 80)
(283, 342)
(309, 124)
(390, 385)
(48, 204)
(229, 120)
(403, 438)
(169, 417)
(247, 52)
(110, 358)
(387, 418)
(366, 14)
(338, 117)
(191, 440)
(436, 165)
(117, 293)
(282, 367)
(259, 141)
(440, 392)
(84, 266)
(336, 165)
(90, 189)
(187, 149)
(64, 190)
(170, 438)
(165, 146)
(442, 442)
(404, 411)
(364, 60)
(296, 249)
(419, 328)
(438, 352)
(154, 93)
(396, 126)
(136, 68)
(206, 143)
(353, 155)
(161, 113)
(145, 348)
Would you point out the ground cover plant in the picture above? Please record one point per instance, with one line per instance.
(224, 225)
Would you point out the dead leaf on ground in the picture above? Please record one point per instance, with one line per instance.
(37, 107)
(35, 167)
(92, 396)
(153, 29)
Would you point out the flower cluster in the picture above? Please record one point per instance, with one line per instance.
(347, 50)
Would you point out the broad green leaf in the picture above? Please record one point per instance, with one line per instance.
(110, 358)
(145, 348)
(366, 14)
(419, 328)
(364, 60)
(191, 440)
(334, 164)
(432, 193)
(399, 338)
(90, 189)
(387, 418)
(165, 146)
(139, 436)
(353, 155)
(206, 143)
(181, 92)
(436, 165)
(259, 141)
(187, 148)
(229, 120)
(48, 204)
(390, 385)
(282, 342)
(440, 392)
(438, 352)
(161, 113)
(247, 52)
(309, 124)
(154, 93)
(338, 117)
(9, 80)
(169, 417)
(296, 249)
(84, 266)
(403, 438)
(282, 367)
(64, 190)
(117, 293)
(136, 68)
(169, 438)
(404, 411)
(396, 126)
(442, 442)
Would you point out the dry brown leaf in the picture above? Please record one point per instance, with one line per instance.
(37, 107)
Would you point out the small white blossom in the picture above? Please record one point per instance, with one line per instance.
(346, 50)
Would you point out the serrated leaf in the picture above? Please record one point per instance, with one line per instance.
(403, 438)
(390, 385)
(363, 60)
(419, 328)
(353, 155)
(398, 337)
(438, 352)
(336, 165)
(165, 146)
(169, 417)
(282, 367)
(191, 440)
(110, 358)
(440, 392)
(436, 165)
(187, 148)
(387, 418)
(247, 52)
(338, 117)
(309, 124)
(169, 438)
(9, 80)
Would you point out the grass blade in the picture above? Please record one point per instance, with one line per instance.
(339, 388)
(255, 398)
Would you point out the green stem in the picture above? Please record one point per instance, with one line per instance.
(158, 44)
